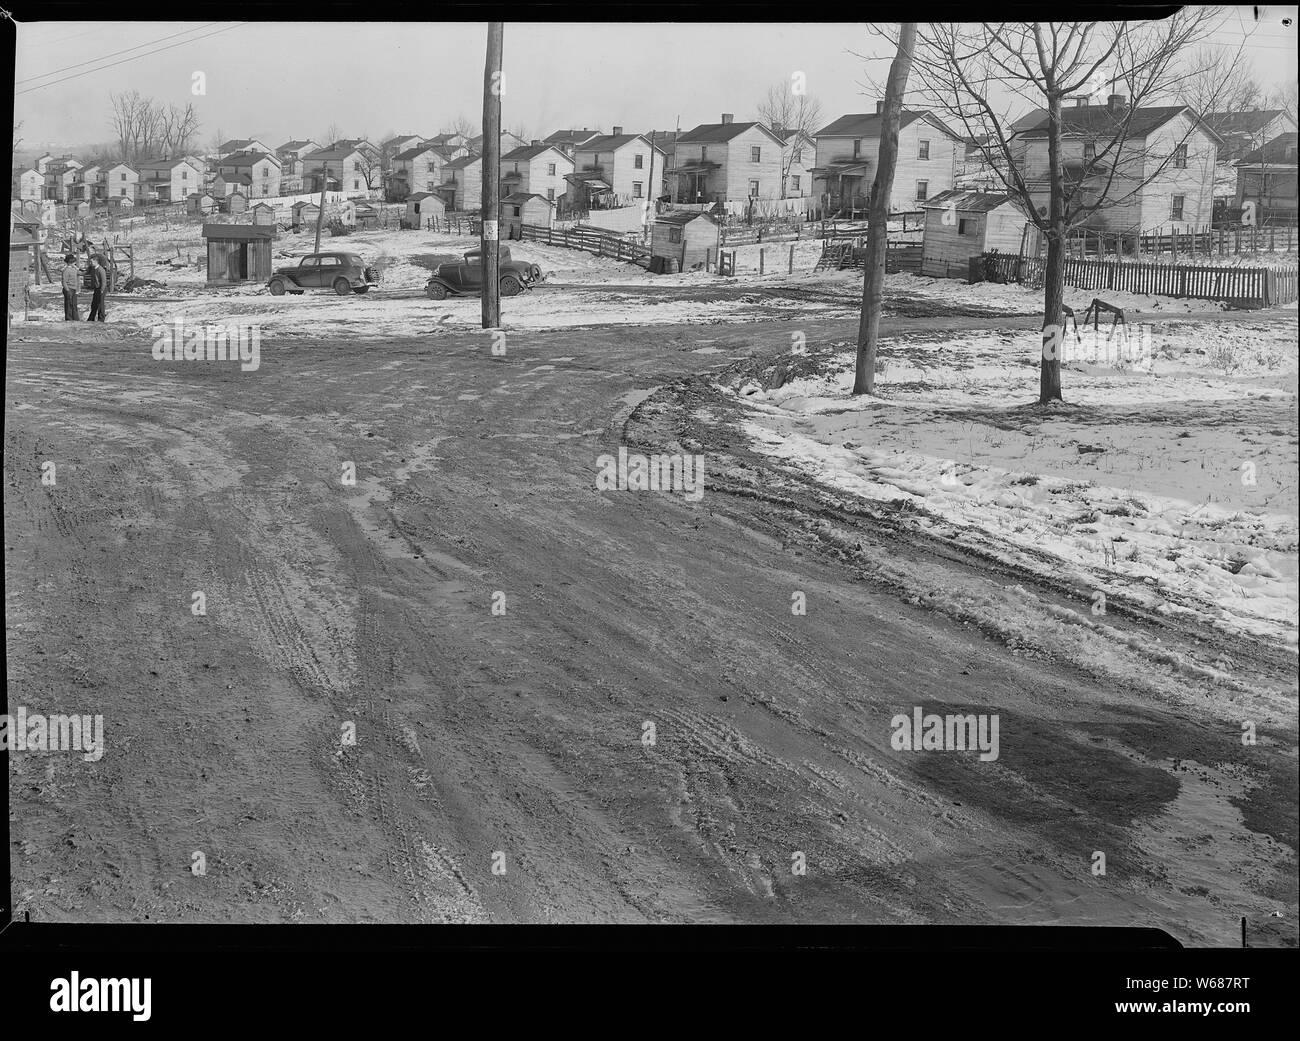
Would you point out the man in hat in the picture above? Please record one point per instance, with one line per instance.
(99, 286)
(71, 276)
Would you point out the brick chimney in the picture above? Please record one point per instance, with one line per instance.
(618, 131)
(535, 143)
(727, 117)
(880, 107)
(1117, 102)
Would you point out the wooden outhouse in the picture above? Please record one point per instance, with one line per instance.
(263, 213)
(305, 213)
(421, 206)
(962, 224)
(200, 202)
(236, 202)
(690, 238)
(520, 208)
(239, 252)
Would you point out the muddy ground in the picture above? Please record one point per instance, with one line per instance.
(517, 739)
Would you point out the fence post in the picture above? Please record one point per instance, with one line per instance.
(792, 260)
(761, 252)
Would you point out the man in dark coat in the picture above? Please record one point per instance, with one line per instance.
(99, 286)
(71, 276)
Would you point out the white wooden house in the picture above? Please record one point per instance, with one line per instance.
(537, 169)
(727, 161)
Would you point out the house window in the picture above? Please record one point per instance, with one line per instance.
(550, 194)
(516, 209)
(356, 165)
(922, 188)
(1180, 157)
(857, 147)
(1177, 213)
(123, 191)
(794, 182)
(124, 177)
(753, 189)
(636, 189)
(923, 150)
(964, 227)
(704, 152)
(185, 175)
(355, 184)
(639, 162)
(755, 154)
(674, 234)
(550, 169)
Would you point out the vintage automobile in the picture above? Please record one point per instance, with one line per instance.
(464, 277)
(343, 272)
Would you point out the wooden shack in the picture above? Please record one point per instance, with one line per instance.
(961, 224)
(366, 217)
(421, 206)
(200, 203)
(264, 213)
(520, 208)
(236, 202)
(690, 238)
(239, 252)
(304, 213)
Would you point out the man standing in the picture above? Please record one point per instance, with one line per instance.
(71, 276)
(99, 286)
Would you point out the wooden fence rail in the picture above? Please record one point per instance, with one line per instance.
(591, 241)
(1248, 287)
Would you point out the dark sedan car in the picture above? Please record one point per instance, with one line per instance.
(464, 277)
(342, 272)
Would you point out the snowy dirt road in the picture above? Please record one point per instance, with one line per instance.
(517, 740)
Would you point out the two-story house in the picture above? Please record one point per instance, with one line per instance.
(462, 183)
(257, 174)
(848, 153)
(1160, 175)
(622, 168)
(1244, 132)
(537, 169)
(60, 176)
(727, 161)
(169, 180)
(122, 182)
(1267, 177)
(31, 185)
(292, 153)
(348, 169)
(421, 166)
(89, 184)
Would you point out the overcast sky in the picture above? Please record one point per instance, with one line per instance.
(278, 81)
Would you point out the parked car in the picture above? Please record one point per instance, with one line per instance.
(343, 272)
(464, 277)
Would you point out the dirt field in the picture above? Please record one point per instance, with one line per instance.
(516, 740)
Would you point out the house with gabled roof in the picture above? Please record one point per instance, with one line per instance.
(242, 144)
(567, 141)
(462, 183)
(1244, 132)
(292, 153)
(1267, 177)
(536, 168)
(1161, 177)
(848, 151)
(347, 168)
(618, 165)
(721, 162)
(258, 172)
(169, 180)
(420, 166)
(122, 183)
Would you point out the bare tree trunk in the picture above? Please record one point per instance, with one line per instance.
(873, 278)
(1049, 371)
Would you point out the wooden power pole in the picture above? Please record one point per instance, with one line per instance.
(491, 234)
(320, 217)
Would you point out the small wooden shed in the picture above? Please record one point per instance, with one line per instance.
(200, 202)
(421, 206)
(366, 216)
(961, 224)
(520, 208)
(689, 237)
(263, 213)
(238, 252)
(305, 212)
(236, 202)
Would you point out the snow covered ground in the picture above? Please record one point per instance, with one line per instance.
(1171, 482)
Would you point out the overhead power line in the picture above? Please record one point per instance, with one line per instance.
(114, 54)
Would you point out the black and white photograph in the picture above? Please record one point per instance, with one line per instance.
(670, 472)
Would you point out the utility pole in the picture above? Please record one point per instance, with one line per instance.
(651, 195)
(320, 216)
(490, 240)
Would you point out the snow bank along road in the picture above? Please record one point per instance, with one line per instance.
(519, 740)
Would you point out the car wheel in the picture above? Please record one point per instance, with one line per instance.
(362, 289)
(435, 291)
(342, 286)
(510, 285)
(277, 287)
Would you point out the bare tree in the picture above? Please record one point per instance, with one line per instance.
(873, 279)
(1284, 98)
(136, 121)
(332, 134)
(974, 74)
(177, 129)
(463, 125)
(782, 111)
